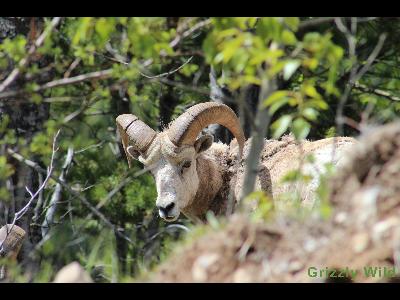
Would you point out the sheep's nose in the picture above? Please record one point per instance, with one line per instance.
(165, 210)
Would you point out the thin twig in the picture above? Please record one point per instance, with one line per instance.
(377, 92)
(160, 78)
(166, 73)
(73, 65)
(188, 32)
(90, 147)
(80, 110)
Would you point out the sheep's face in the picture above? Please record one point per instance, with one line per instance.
(175, 172)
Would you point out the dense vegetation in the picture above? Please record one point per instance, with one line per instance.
(315, 77)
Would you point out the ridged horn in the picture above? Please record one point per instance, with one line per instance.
(11, 241)
(185, 129)
(134, 132)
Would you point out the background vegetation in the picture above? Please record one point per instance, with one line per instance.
(327, 76)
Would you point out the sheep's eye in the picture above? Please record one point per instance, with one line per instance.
(186, 165)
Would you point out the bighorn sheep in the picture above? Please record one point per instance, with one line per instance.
(194, 174)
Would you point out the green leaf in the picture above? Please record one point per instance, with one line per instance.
(275, 96)
(291, 176)
(311, 63)
(310, 113)
(288, 37)
(301, 128)
(310, 91)
(104, 27)
(290, 67)
(330, 132)
(317, 103)
(281, 125)
(310, 158)
(83, 27)
(292, 22)
(278, 104)
(231, 47)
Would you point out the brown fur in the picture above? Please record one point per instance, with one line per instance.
(207, 193)
(219, 171)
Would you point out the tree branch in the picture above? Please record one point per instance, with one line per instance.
(61, 82)
(188, 32)
(377, 92)
(257, 142)
(55, 198)
(166, 73)
(318, 21)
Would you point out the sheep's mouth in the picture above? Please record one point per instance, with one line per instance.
(170, 218)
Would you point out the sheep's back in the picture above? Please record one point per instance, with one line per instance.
(279, 157)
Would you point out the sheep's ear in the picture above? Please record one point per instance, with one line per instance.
(132, 152)
(203, 143)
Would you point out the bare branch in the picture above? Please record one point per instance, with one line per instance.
(319, 21)
(262, 120)
(315, 21)
(351, 40)
(371, 57)
(377, 92)
(101, 143)
(188, 32)
(166, 73)
(73, 65)
(55, 198)
(40, 200)
(61, 82)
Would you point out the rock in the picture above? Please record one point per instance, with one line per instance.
(202, 265)
(360, 242)
(242, 276)
(11, 243)
(72, 273)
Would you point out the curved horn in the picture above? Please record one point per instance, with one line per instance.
(184, 130)
(136, 132)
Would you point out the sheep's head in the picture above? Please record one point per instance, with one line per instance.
(171, 155)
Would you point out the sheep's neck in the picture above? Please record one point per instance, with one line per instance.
(208, 196)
